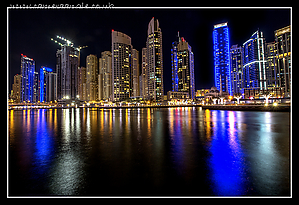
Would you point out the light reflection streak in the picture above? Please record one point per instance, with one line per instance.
(66, 125)
(176, 135)
(44, 144)
(228, 171)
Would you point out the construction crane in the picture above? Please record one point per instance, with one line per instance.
(68, 43)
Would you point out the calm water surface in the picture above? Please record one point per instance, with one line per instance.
(148, 151)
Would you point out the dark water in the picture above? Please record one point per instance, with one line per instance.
(160, 151)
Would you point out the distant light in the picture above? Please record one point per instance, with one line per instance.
(112, 30)
(275, 104)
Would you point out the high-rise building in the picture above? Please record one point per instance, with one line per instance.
(67, 70)
(82, 83)
(47, 85)
(144, 73)
(27, 82)
(254, 62)
(51, 87)
(121, 66)
(36, 87)
(174, 64)
(283, 41)
(105, 76)
(271, 66)
(236, 68)
(135, 73)
(183, 68)
(154, 61)
(16, 87)
(222, 58)
(43, 83)
(92, 72)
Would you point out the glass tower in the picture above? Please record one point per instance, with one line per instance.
(182, 60)
(283, 39)
(236, 68)
(154, 74)
(43, 82)
(27, 82)
(121, 66)
(222, 58)
(254, 62)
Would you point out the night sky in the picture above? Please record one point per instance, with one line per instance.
(30, 32)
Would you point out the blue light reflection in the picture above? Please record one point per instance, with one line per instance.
(43, 143)
(228, 171)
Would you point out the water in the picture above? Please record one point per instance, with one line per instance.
(148, 152)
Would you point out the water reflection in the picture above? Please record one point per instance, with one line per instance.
(227, 158)
(44, 143)
(166, 151)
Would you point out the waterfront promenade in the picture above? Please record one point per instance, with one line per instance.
(242, 107)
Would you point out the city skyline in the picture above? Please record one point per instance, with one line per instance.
(193, 31)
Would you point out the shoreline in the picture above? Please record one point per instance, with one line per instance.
(279, 108)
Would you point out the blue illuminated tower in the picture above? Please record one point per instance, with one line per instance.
(43, 82)
(27, 82)
(174, 64)
(222, 58)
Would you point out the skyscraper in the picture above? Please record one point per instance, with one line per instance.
(236, 68)
(135, 73)
(16, 87)
(121, 66)
(222, 58)
(174, 64)
(27, 82)
(105, 76)
(43, 83)
(183, 67)
(51, 87)
(92, 72)
(273, 74)
(154, 61)
(67, 71)
(283, 40)
(254, 62)
(82, 83)
(144, 73)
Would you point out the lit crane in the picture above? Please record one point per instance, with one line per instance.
(68, 43)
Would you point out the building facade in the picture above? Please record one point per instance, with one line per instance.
(82, 83)
(144, 74)
(183, 67)
(254, 62)
(135, 73)
(222, 58)
(92, 72)
(43, 83)
(283, 41)
(27, 79)
(105, 76)
(51, 87)
(154, 74)
(271, 66)
(236, 63)
(174, 64)
(67, 70)
(16, 87)
(121, 66)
